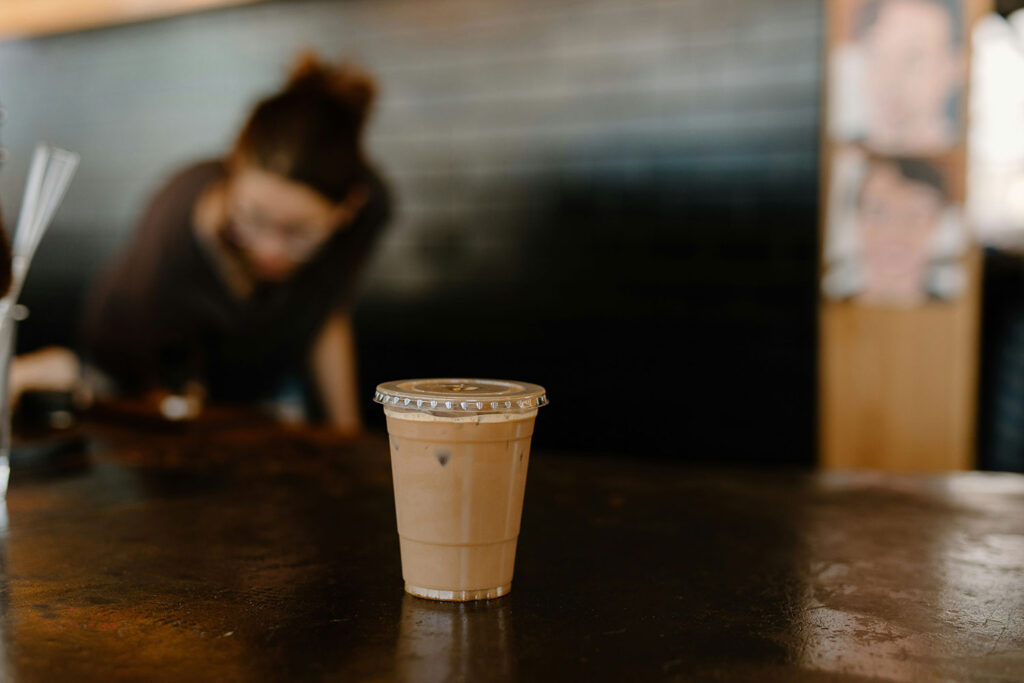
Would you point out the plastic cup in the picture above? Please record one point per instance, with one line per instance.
(460, 449)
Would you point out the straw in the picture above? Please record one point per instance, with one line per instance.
(48, 179)
(32, 188)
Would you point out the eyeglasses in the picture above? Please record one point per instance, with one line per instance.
(299, 242)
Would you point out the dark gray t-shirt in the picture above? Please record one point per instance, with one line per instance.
(163, 315)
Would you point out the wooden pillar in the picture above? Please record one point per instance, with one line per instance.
(897, 379)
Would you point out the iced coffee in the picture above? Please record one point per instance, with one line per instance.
(460, 449)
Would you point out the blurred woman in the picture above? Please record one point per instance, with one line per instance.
(240, 279)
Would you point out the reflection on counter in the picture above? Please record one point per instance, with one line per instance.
(448, 641)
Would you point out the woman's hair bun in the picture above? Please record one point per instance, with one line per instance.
(343, 82)
(311, 130)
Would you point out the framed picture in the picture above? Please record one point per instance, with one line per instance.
(897, 75)
(893, 235)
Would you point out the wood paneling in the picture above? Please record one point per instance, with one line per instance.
(898, 387)
(22, 18)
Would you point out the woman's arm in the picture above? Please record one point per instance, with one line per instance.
(51, 369)
(334, 367)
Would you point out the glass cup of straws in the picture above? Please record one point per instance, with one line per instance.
(49, 175)
(7, 325)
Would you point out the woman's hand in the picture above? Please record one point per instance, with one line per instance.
(53, 368)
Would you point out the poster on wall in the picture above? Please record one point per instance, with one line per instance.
(894, 236)
(898, 71)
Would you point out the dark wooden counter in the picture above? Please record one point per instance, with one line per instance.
(265, 555)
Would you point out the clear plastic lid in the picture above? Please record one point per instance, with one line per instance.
(464, 396)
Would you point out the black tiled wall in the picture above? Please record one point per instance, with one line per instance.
(616, 198)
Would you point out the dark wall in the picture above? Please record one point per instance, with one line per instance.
(615, 198)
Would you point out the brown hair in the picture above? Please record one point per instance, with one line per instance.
(310, 132)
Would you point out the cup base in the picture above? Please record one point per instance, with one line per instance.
(458, 596)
